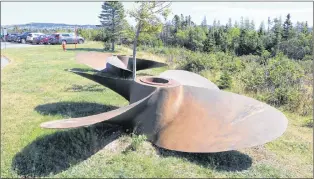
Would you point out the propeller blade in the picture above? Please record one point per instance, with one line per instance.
(122, 115)
(95, 60)
(194, 119)
(119, 85)
(188, 79)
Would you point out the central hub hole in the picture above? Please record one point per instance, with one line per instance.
(155, 80)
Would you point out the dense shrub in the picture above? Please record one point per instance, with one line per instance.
(225, 80)
(93, 34)
(278, 81)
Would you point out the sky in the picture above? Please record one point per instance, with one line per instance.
(87, 12)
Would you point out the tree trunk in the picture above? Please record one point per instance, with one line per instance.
(134, 50)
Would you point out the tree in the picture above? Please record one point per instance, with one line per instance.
(16, 29)
(146, 16)
(236, 25)
(209, 43)
(242, 23)
(176, 22)
(204, 22)
(252, 25)
(261, 30)
(287, 28)
(229, 23)
(305, 28)
(247, 24)
(269, 23)
(111, 18)
(277, 31)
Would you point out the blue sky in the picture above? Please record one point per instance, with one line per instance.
(87, 12)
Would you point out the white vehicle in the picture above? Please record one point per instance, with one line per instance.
(31, 36)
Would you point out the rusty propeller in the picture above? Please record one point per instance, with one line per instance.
(183, 111)
(120, 65)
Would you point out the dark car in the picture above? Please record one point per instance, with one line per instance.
(11, 37)
(42, 39)
(22, 38)
(14, 38)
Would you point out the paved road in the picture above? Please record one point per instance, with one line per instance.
(16, 45)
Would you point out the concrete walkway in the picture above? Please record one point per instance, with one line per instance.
(4, 62)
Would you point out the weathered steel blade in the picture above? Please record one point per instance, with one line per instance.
(193, 119)
(188, 78)
(120, 65)
(120, 116)
(143, 64)
(119, 85)
(95, 60)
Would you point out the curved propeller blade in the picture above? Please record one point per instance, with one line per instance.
(188, 78)
(207, 120)
(95, 60)
(119, 85)
(122, 115)
(142, 64)
(120, 65)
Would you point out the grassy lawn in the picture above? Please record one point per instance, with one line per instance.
(36, 88)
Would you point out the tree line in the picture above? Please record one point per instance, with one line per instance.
(236, 38)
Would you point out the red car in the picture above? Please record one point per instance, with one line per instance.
(42, 39)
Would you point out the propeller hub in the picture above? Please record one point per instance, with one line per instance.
(158, 81)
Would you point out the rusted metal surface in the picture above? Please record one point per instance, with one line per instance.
(120, 65)
(181, 111)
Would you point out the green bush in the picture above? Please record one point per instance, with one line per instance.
(224, 81)
(278, 81)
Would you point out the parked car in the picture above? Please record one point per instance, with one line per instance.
(11, 37)
(14, 38)
(31, 36)
(42, 39)
(68, 38)
(22, 37)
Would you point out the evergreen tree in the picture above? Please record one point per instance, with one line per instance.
(247, 24)
(236, 25)
(261, 30)
(204, 22)
(242, 23)
(229, 23)
(277, 31)
(269, 23)
(176, 22)
(111, 18)
(252, 25)
(305, 28)
(287, 28)
(209, 44)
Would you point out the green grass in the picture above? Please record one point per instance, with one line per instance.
(35, 88)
